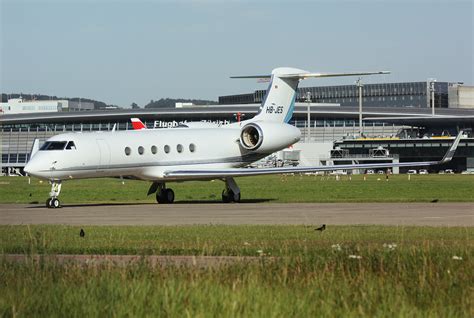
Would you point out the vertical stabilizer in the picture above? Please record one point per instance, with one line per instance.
(279, 102)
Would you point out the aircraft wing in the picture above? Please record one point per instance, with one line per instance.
(242, 172)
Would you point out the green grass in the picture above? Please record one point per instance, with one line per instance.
(312, 277)
(421, 188)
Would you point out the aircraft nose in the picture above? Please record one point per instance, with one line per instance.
(31, 168)
(28, 168)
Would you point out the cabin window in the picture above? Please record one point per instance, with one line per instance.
(54, 145)
(71, 146)
(192, 147)
(167, 149)
(128, 151)
(179, 148)
(154, 150)
(141, 150)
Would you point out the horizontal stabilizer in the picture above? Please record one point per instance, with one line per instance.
(313, 75)
(316, 75)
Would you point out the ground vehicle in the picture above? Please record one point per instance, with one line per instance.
(412, 171)
(423, 171)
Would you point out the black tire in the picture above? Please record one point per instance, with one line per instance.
(169, 194)
(48, 203)
(160, 197)
(55, 203)
(165, 196)
(227, 196)
(236, 197)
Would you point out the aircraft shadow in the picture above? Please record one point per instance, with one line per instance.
(79, 205)
(263, 200)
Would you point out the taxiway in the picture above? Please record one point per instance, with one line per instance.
(431, 214)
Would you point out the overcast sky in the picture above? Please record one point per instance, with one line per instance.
(133, 51)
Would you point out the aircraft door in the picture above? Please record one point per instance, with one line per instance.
(104, 154)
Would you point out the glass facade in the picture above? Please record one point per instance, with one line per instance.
(408, 94)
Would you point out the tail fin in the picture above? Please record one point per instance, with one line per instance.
(137, 124)
(279, 102)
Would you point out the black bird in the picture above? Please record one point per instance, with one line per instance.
(434, 201)
(82, 233)
(321, 228)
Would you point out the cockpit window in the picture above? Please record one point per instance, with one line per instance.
(54, 145)
(71, 146)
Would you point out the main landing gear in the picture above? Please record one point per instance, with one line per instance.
(164, 195)
(231, 193)
(53, 201)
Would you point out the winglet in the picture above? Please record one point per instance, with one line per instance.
(450, 153)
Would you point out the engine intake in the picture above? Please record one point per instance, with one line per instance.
(251, 136)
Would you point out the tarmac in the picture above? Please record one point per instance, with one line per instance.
(429, 214)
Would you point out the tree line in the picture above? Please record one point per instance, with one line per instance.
(161, 103)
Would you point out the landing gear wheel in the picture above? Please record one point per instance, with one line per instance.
(230, 196)
(236, 197)
(225, 196)
(169, 196)
(55, 203)
(165, 196)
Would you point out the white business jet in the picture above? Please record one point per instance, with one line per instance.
(192, 153)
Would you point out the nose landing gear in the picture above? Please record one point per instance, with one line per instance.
(53, 201)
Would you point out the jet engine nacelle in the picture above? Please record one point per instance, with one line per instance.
(268, 137)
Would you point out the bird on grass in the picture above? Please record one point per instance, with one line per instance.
(82, 233)
(321, 228)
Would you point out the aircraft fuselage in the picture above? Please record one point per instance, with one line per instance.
(143, 154)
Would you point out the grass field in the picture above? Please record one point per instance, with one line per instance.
(421, 188)
(343, 272)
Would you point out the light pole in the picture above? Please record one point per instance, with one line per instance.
(359, 85)
(432, 91)
(308, 131)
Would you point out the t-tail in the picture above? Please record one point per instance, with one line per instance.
(279, 102)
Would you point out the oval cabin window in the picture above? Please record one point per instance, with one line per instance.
(154, 150)
(141, 150)
(192, 147)
(128, 151)
(167, 149)
(179, 148)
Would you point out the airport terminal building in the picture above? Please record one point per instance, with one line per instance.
(406, 94)
(397, 119)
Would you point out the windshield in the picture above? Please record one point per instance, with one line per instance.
(54, 145)
(71, 146)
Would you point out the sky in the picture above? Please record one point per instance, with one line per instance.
(121, 52)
